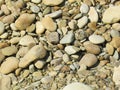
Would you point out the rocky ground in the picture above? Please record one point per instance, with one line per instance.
(59, 44)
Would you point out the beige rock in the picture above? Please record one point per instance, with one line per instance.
(49, 24)
(39, 64)
(37, 75)
(91, 48)
(109, 49)
(25, 73)
(9, 65)
(111, 15)
(14, 40)
(36, 52)
(52, 2)
(8, 19)
(1, 57)
(88, 60)
(116, 26)
(115, 42)
(30, 28)
(24, 21)
(27, 40)
(71, 1)
(5, 9)
(3, 44)
(11, 50)
(39, 28)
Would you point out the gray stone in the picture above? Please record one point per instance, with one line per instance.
(84, 8)
(82, 22)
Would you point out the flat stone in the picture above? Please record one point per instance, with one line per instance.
(36, 52)
(49, 24)
(109, 49)
(34, 9)
(89, 60)
(39, 64)
(9, 65)
(84, 8)
(91, 48)
(24, 20)
(27, 40)
(96, 39)
(77, 86)
(82, 22)
(52, 2)
(71, 49)
(8, 19)
(111, 15)
(2, 27)
(116, 26)
(68, 38)
(11, 50)
(115, 33)
(39, 28)
(93, 15)
(115, 42)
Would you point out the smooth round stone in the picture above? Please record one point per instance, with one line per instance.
(52, 2)
(2, 27)
(115, 33)
(96, 39)
(36, 1)
(35, 9)
(115, 42)
(39, 28)
(84, 8)
(89, 60)
(77, 86)
(116, 26)
(82, 22)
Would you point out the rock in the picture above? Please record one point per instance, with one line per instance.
(25, 73)
(82, 22)
(52, 2)
(72, 24)
(9, 65)
(4, 35)
(116, 75)
(11, 50)
(39, 28)
(8, 19)
(80, 34)
(47, 79)
(12, 26)
(49, 24)
(24, 20)
(116, 26)
(115, 42)
(93, 15)
(68, 38)
(91, 48)
(66, 58)
(71, 1)
(111, 15)
(14, 40)
(71, 49)
(56, 61)
(89, 60)
(115, 33)
(116, 55)
(30, 28)
(53, 37)
(34, 9)
(39, 64)
(36, 1)
(77, 86)
(3, 44)
(2, 57)
(109, 49)
(5, 81)
(36, 52)
(5, 9)
(27, 40)
(96, 39)
(37, 75)
(84, 8)
(58, 54)
(2, 27)
(55, 14)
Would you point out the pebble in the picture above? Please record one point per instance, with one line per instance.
(109, 49)
(71, 1)
(53, 37)
(89, 60)
(25, 73)
(96, 39)
(68, 38)
(9, 65)
(116, 74)
(49, 24)
(77, 86)
(73, 24)
(115, 42)
(4, 35)
(14, 40)
(84, 8)
(91, 48)
(30, 28)
(3, 44)
(39, 28)
(111, 15)
(5, 81)
(116, 26)
(34, 9)
(47, 79)
(36, 52)
(71, 49)
(27, 40)
(52, 3)
(116, 55)
(58, 54)
(78, 16)
(10, 50)
(2, 27)
(13, 27)
(39, 64)
(24, 20)
(115, 33)
(66, 58)
(80, 34)
(5, 9)
(55, 14)
(37, 75)
(36, 1)
(8, 19)
(82, 22)
(93, 15)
